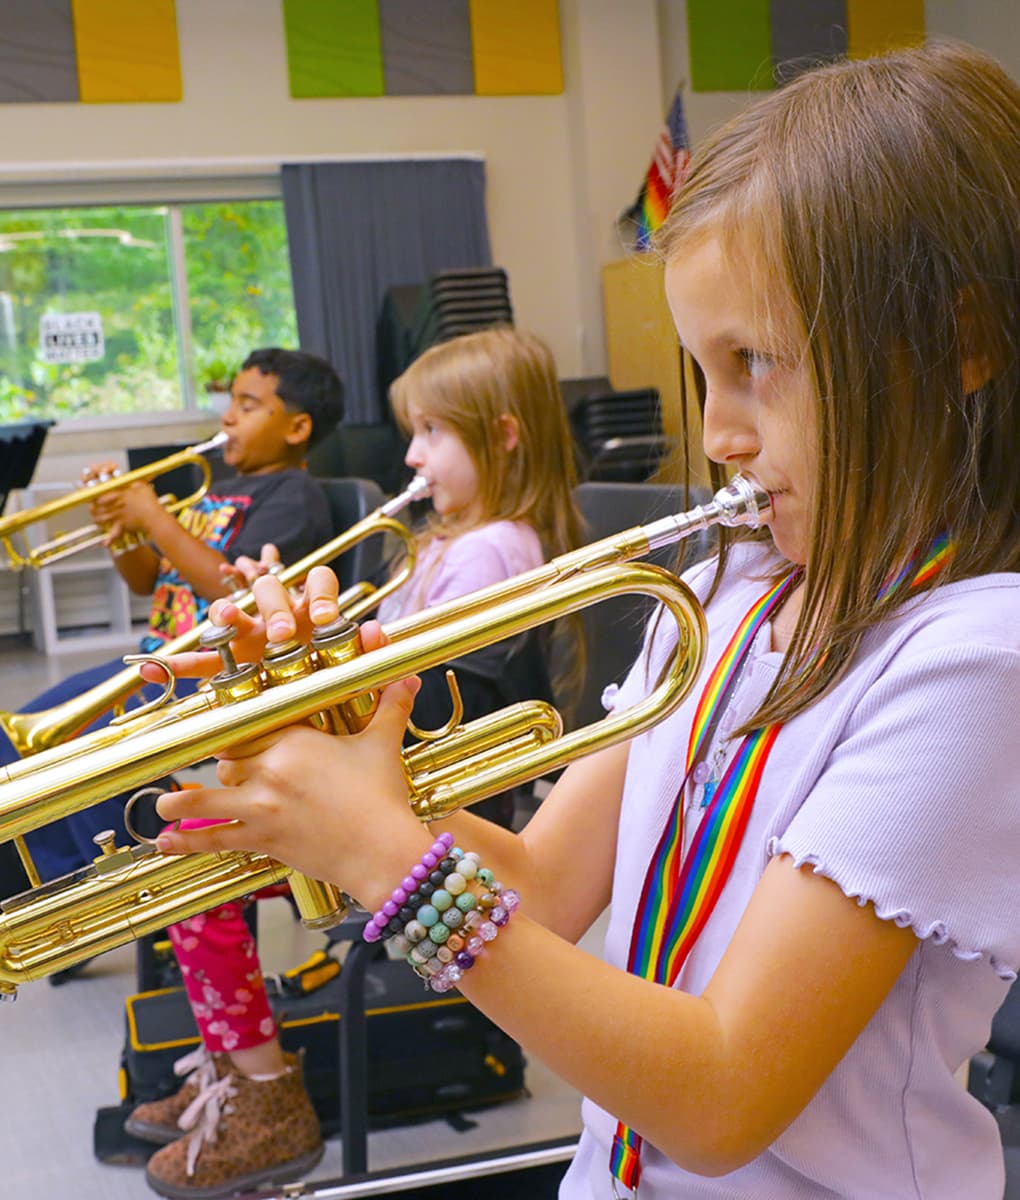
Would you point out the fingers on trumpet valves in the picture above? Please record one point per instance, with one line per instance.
(322, 589)
(276, 608)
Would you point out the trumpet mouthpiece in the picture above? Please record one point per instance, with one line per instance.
(740, 502)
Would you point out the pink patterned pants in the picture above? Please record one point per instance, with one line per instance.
(222, 976)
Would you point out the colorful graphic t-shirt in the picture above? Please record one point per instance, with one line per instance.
(237, 517)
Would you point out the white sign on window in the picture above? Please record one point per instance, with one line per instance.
(71, 337)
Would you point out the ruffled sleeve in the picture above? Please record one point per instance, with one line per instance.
(917, 808)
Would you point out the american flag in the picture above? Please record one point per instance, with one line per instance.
(666, 173)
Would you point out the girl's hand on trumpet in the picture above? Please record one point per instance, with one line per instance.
(280, 617)
(272, 801)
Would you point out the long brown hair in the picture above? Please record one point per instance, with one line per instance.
(883, 198)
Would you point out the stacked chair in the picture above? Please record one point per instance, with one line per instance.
(620, 435)
(450, 303)
(457, 302)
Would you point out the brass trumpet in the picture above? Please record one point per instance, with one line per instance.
(31, 733)
(20, 553)
(128, 892)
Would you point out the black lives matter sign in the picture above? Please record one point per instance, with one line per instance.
(71, 337)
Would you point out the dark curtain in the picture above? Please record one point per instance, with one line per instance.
(356, 229)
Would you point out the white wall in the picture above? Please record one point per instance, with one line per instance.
(548, 169)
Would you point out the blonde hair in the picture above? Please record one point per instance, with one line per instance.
(876, 205)
(470, 383)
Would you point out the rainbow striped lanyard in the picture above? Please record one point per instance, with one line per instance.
(676, 903)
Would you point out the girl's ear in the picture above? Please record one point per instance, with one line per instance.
(300, 429)
(977, 364)
(510, 431)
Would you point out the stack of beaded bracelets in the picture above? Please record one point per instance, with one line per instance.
(437, 919)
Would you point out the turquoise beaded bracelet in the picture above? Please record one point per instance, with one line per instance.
(440, 957)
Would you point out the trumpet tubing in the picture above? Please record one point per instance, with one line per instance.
(15, 526)
(470, 764)
(32, 733)
(127, 893)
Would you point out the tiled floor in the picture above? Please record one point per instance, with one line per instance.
(60, 1048)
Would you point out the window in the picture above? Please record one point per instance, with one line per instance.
(137, 309)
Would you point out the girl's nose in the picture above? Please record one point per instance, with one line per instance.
(728, 430)
(413, 456)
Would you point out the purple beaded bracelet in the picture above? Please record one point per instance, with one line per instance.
(442, 966)
(377, 928)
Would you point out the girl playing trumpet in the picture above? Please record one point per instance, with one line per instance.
(812, 864)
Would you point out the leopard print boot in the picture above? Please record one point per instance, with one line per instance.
(157, 1120)
(244, 1134)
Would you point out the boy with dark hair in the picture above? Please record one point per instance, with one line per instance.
(282, 401)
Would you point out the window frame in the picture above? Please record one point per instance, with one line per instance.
(150, 186)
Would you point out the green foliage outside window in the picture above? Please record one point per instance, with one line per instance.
(116, 261)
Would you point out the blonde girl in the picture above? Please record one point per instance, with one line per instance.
(489, 432)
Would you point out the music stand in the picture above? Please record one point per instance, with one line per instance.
(21, 444)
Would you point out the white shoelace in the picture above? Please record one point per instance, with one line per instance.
(198, 1063)
(202, 1116)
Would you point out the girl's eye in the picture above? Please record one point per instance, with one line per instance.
(756, 363)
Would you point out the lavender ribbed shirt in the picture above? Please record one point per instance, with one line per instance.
(453, 567)
(900, 785)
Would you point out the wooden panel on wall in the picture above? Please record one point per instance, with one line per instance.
(754, 45)
(642, 345)
(127, 52)
(730, 45)
(805, 32)
(426, 47)
(423, 47)
(877, 25)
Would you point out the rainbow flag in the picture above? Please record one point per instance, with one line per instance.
(665, 174)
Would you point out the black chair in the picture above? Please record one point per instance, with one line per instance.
(613, 629)
(372, 451)
(21, 444)
(994, 1078)
(620, 435)
(350, 500)
(448, 304)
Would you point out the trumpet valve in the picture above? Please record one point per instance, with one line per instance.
(234, 682)
(283, 661)
(340, 642)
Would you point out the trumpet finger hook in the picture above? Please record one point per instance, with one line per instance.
(433, 735)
